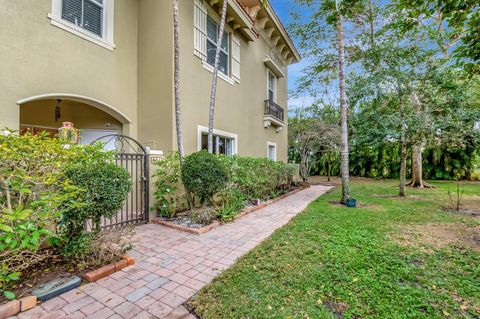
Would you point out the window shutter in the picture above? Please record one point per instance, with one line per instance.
(200, 32)
(236, 58)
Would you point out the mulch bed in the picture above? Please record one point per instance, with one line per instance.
(48, 270)
(183, 220)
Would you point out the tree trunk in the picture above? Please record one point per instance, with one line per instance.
(304, 164)
(403, 146)
(417, 160)
(329, 167)
(176, 80)
(213, 91)
(344, 113)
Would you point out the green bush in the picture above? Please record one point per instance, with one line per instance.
(258, 177)
(204, 175)
(33, 193)
(103, 189)
(167, 177)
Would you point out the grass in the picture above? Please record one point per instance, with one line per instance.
(370, 262)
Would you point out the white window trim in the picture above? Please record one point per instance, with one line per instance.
(275, 89)
(227, 78)
(222, 76)
(268, 150)
(108, 24)
(203, 129)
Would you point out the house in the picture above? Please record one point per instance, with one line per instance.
(107, 67)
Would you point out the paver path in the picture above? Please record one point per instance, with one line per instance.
(172, 266)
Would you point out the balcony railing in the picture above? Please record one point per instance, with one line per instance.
(271, 108)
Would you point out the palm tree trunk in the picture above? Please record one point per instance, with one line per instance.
(176, 79)
(346, 194)
(403, 146)
(214, 78)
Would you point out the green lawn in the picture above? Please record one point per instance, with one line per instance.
(391, 258)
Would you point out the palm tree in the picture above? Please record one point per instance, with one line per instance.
(213, 91)
(176, 79)
(344, 164)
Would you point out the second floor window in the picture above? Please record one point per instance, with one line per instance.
(272, 86)
(213, 29)
(86, 14)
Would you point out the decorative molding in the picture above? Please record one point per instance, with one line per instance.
(261, 23)
(275, 40)
(269, 31)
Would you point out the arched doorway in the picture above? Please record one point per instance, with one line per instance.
(93, 118)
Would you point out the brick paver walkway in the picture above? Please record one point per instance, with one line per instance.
(172, 266)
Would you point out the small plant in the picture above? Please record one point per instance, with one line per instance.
(456, 199)
(232, 202)
(204, 175)
(167, 178)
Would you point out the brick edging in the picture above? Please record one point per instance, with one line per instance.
(107, 270)
(14, 307)
(204, 229)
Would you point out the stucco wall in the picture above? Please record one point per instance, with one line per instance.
(239, 108)
(39, 58)
(155, 74)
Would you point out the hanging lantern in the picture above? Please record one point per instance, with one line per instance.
(57, 110)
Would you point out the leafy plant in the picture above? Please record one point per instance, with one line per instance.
(32, 192)
(233, 201)
(204, 175)
(104, 187)
(167, 177)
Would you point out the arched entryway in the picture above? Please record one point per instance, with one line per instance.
(93, 118)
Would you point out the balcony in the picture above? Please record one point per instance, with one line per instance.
(273, 116)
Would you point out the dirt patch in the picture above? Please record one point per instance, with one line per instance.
(428, 237)
(337, 308)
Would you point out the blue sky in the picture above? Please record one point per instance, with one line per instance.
(283, 9)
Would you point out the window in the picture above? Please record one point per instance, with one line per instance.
(86, 14)
(206, 30)
(272, 151)
(89, 19)
(271, 86)
(223, 142)
(213, 30)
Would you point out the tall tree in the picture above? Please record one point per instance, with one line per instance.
(213, 91)
(176, 79)
(344, 152)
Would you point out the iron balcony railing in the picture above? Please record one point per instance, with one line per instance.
(273, 109)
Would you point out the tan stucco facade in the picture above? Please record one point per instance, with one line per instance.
(129, 87)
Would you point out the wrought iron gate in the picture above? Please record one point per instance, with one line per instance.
(132, 156)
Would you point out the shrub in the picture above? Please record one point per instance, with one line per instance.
(204, 175)
(30, 175)
(258, 177)
(167, 178)
(103, 189)
(232, 202)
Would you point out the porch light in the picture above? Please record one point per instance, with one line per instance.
(57, 110)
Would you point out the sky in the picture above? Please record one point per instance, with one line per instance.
(283, 9)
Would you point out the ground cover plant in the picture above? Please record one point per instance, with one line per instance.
(393, 257)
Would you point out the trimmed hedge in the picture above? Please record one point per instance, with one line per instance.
(258, 177)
